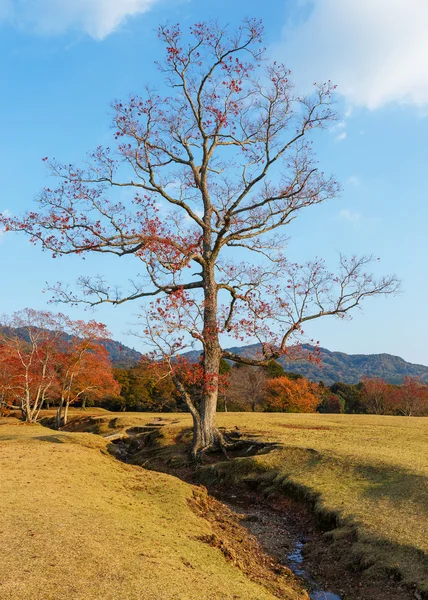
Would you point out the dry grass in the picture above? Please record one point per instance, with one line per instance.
(363, 474)
(77, 524)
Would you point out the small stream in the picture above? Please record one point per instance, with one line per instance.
(296, 562)
(279, 534)
(283, 527)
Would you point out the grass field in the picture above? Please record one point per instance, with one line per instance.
(76, 524)
(367, 475)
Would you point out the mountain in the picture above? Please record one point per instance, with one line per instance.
(333, 366)
(120, 355)
(339, 366)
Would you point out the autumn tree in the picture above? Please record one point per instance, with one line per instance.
(411, 398)
(45, 356)
(377, 396)
(288, 395)
(75, 372)
(219, 162)
(83, 372)
(330, 403)
(29, 341)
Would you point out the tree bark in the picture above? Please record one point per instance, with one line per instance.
(197, 440)
(208, 437)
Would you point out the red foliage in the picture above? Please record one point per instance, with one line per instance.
(411, 398)
(331, 403)
(377, 396)
(45, 356)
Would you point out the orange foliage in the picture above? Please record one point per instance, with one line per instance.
(287, 395)
(46, 356)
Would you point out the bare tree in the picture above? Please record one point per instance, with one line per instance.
(219, 162)
(247, 386)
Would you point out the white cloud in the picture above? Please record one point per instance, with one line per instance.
(348, 215)
(354, 180)
(359, 222)
(339, 131)
(374, 50)
(98, 18)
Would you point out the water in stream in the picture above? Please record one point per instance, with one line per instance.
(272, 528)
(296, 565)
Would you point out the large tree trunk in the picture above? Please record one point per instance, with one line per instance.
(3, 408)
(197, 431)
(26, 407)
(207, 435)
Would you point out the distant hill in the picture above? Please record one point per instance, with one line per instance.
(339, 366)
(334, 366)
(120, 355)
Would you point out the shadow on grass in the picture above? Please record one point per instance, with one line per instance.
(52, 439)
(396, 485)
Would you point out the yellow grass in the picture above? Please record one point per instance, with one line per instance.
(369, 474)
(76, 524)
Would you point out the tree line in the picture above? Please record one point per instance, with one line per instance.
(149, 387)
(48, 360)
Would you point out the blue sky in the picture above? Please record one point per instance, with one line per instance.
(64, 61)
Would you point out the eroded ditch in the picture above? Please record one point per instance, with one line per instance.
(283, 525)
(282, 534)
(286, 529)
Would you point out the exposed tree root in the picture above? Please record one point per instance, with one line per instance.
(232, 442)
